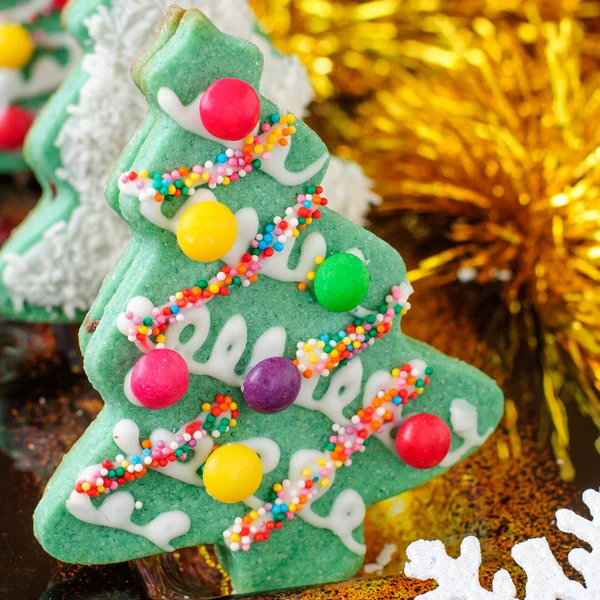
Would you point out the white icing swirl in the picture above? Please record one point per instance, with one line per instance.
(116, 510)
(464, 420)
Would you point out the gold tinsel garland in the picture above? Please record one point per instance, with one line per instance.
(480, 122)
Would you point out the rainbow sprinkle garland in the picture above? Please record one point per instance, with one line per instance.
(228, 166)
(220, 417)
(289, 498)
(329, 351)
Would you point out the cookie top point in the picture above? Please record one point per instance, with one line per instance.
(196, 54)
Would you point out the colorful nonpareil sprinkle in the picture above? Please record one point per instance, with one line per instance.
(228, 166)
(218, 418)
(289, 498)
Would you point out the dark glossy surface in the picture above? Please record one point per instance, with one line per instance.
(45, 403)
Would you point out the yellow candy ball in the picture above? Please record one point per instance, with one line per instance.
(206, 231)
(16, 46)
(232, 473)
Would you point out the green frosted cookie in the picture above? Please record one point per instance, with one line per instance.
(36, 55)
(210, 334)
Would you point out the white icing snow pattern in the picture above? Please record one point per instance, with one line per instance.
(116, 510)
(463, 417)
(458, 578)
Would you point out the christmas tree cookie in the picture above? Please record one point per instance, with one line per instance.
(35, 56)
(54, 264)
(259, 391)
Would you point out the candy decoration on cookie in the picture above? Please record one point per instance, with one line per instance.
(160, 378)
(206, 231)
(272, 385)
(232, 473)
(14, 125)
(230, 109)
(341, 282)
(240, 325)
(16, 46)
(423, 441)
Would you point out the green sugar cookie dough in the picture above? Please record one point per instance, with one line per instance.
(176, 332)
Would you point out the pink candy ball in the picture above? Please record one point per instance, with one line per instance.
(160, 378)
(229, 109)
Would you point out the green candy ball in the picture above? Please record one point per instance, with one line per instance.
(341, 282)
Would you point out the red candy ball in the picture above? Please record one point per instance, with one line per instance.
(160, 378)
(229, 109)
(14, 125)
(423, 441)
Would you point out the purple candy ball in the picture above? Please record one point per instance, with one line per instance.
(272, 385)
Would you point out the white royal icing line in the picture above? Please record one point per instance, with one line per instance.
(188, 117)
(116, 510)
(348, 510)
(383, 380)
(247, 227)
(270, 344)
(227, 349)
(464, 421)
(276, 267)
(126, 435)
(152, 210)
(128, 391)
(343, 388)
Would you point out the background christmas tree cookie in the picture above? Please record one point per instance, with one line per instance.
(53, 267)
(259, 393)
(36, 55)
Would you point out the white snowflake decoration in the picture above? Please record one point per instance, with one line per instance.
(458, 578)
(67, 266)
